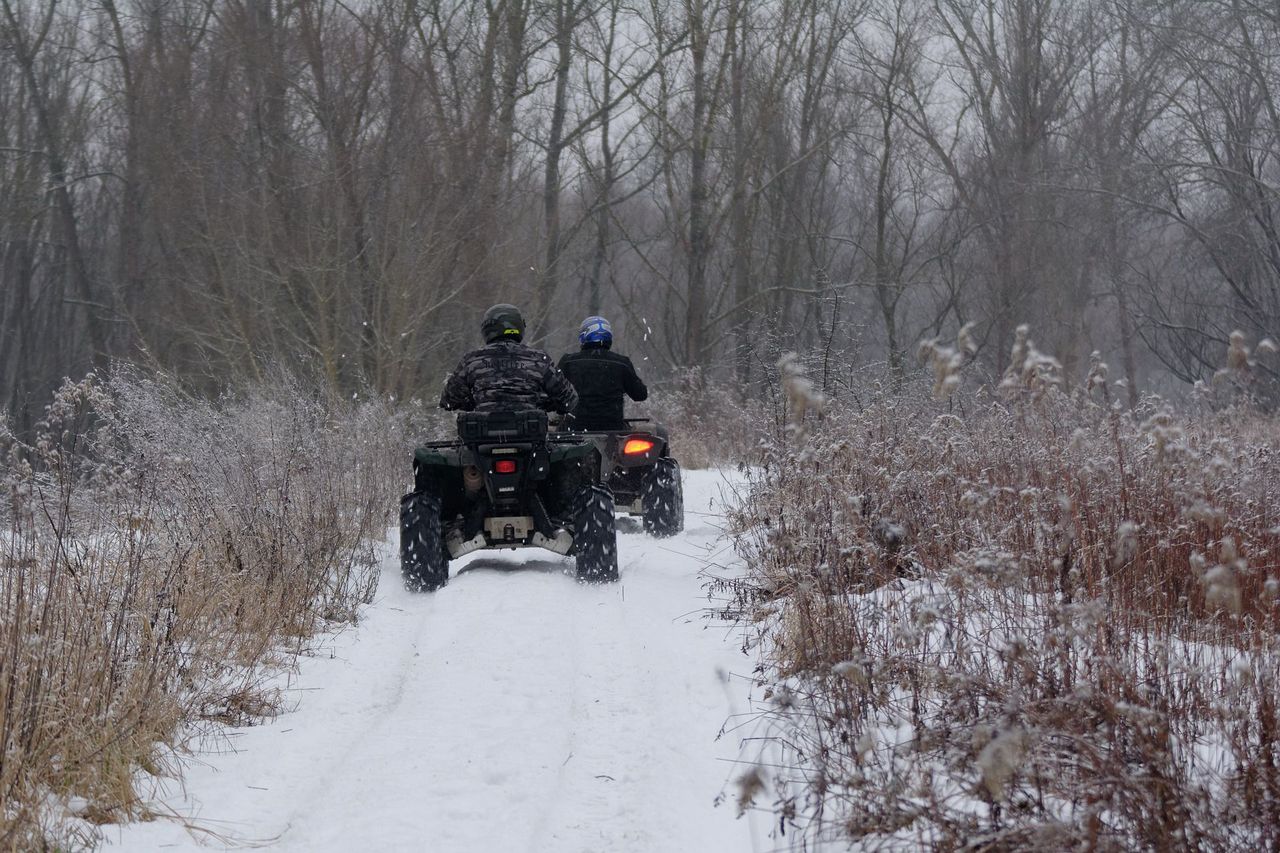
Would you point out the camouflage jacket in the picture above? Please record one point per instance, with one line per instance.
(507, 375)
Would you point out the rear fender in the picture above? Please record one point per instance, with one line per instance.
(438, 470)
(565, 452)
(438, 457)
(645, 449)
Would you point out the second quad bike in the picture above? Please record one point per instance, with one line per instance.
(505, 482)
(637, 466)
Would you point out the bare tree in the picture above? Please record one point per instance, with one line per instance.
(27, 30)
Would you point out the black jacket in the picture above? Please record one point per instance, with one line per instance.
(601, 377)
(507, 375)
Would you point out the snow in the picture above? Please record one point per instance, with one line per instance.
(511, 710)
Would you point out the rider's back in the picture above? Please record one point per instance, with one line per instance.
(601, 378)
(504, 375)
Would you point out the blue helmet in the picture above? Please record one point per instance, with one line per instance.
(595, 330)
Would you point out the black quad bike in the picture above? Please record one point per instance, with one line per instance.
(506, 483)
(637, 466)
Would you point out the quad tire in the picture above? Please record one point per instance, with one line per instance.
(662, 499)
(424, 560)
(595, 539)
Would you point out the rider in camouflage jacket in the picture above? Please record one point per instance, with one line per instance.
(505, 374)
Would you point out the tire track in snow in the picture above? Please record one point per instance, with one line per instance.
(443, 722)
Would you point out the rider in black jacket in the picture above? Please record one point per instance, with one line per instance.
(600, 377)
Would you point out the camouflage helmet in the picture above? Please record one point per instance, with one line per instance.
(502, 322)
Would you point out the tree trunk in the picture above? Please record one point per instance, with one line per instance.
(78, 267)
(699, 243)
(740, 223)
(549, 280)
(886, 287)
(604, 195)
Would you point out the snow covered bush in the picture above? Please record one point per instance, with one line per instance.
(159, 551)
(1025, 622)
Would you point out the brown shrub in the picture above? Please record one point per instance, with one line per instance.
(159, 551)
(1038, 623)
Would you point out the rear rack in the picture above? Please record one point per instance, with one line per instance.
(550, 438)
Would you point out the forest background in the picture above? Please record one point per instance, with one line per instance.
(218, 187)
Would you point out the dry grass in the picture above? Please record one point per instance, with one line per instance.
(158, 552)
(1035, 622)
(709, 421)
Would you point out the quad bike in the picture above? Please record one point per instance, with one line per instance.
(506, 483)
(637, 466)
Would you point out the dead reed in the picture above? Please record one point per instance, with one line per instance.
(158, 552)
(710, 422)
(1025, 622)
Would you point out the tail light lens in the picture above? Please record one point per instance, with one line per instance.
(636, 446)
(504, 466)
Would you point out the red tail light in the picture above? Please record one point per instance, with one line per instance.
(504, 466)
(636, 446)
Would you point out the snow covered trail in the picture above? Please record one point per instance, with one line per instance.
(514, 710)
